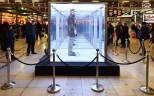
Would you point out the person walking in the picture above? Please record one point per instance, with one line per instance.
(31, 33)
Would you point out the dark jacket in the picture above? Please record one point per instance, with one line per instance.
(152, 38)
(145, 33)
(30, 33)
(38, 28)
(30, 30)
(71, 26)
(119, 30)
(10, 38)
(125, 30)
(110, 30)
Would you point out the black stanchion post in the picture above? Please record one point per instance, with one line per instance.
(53, 88)
(115, 46)
(9, 84)
(111, 50)
(146, 88)
(97, 87)
(143, 53)
(126, 52)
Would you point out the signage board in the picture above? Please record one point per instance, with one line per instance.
(148, 18)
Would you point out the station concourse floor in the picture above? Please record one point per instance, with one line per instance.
(27, 84)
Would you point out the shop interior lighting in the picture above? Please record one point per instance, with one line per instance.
(126, 1)
(95, 1)
(75, 1)
(22, 8)
(146, 1)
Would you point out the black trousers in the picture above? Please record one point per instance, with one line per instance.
(31, 44)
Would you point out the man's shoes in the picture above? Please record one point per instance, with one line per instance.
(34, 53)
(71, 54)
(27, 54)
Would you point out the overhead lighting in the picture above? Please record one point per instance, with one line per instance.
(125, 1)
(75, 1)
(22, 8)
(146, 1)
(95, 1)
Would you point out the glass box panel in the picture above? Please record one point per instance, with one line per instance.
(77, 30)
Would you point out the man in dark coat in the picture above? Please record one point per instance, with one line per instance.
(144, 35)
(38, 30)
(10, 37)
(31, 33)
(71, 33)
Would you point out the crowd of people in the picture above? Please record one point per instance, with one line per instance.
(9, 33)
(144, 31)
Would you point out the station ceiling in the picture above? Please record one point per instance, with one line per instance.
(27, 7)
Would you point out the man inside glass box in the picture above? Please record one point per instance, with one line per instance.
(71, 32)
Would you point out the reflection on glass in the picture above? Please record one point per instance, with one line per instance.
(77, 30)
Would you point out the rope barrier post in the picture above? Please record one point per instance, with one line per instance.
(115, 47)
(146, 89)
(111, 50)
(143, 50)
(9, 84)
(53, 88)
(97, 87)
(126, 52)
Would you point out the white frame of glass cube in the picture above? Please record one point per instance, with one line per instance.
(98, 17)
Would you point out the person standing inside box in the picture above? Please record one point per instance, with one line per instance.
(31, 33)
(71, 32)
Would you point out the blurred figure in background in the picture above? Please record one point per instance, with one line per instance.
(110, 31)
(125, 32)
(31, 33)
(5, 28)
(152, 37)
(10, 36)
(38, 30)
(144, 35)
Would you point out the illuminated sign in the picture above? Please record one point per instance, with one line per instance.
(114, 12)
(148, 18)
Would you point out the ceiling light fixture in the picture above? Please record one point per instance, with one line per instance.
(75, 1)
(95, 1)
(125, 1)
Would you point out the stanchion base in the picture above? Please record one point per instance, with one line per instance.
(126, 61)
(143, 62)
(147, 90)
(53, 88)
(116, 54)
(97, 88)
(7, 86)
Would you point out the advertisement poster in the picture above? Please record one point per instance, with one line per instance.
(148, 18)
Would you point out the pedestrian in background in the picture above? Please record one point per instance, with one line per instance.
(31, 33)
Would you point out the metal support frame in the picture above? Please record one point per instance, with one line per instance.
(115, 46)
(126, 52)
(9, 84)
(97, 87)
(53, 88)
(145, 88)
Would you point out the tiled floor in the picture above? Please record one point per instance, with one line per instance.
(27, 84)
